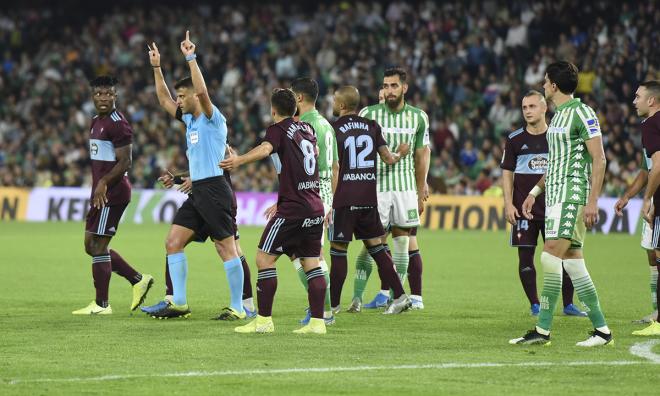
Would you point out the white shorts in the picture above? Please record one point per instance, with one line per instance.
(326, 209)
(647, 235)
(398, 209)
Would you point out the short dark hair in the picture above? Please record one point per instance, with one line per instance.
(184, 83)
(653, 86)
(564, 75)
(103, 81)
(306, 86)
(284, 102)
(396, 71)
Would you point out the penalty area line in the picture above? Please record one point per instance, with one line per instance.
(311, 370)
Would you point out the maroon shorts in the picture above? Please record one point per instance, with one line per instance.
(104, 221)
(526, 232)
(363, 221)
(294, 237)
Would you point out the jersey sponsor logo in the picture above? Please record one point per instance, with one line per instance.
(194, 137)
(360, 207)
(359, 177)
(593, 126)
(531, 164)
(557, 130)
(538, 163)
(93, 149)
(306, 185)
(101, 150)
(309, 222)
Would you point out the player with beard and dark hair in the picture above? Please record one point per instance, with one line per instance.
(110, 144)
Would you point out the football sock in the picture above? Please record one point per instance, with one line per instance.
(339, 270)
(266, 287)
(168, 280)
(363, 267)
(101, 272)
(247, 282)
(415, 272)
(386, 269)
(234, 272)
(123, 269)
(178, 267)
(400, 257)
(586, 291)
(301, 272)
(551, 289)
(326, 275)
(316, 292)
(654, 285)
(527, 273)
(566, 289)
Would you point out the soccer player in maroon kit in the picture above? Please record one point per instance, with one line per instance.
(355, 204)
(647, 104)
(110, 144)
(524, 162)
(297, 226)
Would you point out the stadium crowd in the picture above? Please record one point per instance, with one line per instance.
(469, 65)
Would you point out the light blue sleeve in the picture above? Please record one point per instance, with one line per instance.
(217, 118)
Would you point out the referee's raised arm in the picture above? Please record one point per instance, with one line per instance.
(188, 50)
(163, 93)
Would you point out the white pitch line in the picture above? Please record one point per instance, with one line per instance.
(643, 350)
(434, 366)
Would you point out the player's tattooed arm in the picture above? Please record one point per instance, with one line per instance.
(233, 161)
(124, 161)
(164, 97)
(651, 187)
(188, 50)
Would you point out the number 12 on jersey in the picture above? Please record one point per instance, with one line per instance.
(359, 160)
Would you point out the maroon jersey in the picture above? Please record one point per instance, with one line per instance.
(294, 156)
(526, 155)
(107, 134)
(358, 141)
(650, 128)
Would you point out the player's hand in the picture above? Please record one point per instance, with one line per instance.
(99, 199)
(167, 179)
(154, 55)
(527, 207)
(403, 149)
(270, 212)
(426, 191)
(420, 203)
(187, 46)
(620, 205)
(186, 187)
(328, 218)
(590, 214)
(647, 211)
(511, 213)
(231, 162)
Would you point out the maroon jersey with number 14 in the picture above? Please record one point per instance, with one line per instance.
(107, 134)
(294, 156)
(358, 141)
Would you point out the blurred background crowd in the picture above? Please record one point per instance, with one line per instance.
(469, 64)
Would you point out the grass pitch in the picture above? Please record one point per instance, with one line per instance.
(457, 345)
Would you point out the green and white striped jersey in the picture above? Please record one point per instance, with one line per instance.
(568, 178)
(410, 125)
(325, 138)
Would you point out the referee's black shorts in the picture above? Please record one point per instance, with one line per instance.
(208, 210)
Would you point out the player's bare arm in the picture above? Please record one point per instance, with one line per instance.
(164, 97)
(391, 158)
(335, 175)
(234, 161)
(422, 162)
(124, 161)
(634, 189)
(651, 187)
(510, 211)
(595, 148)
(531, 198)
(188, 50)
